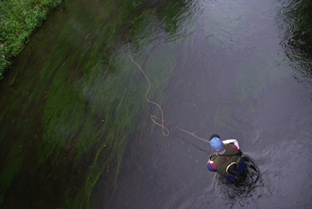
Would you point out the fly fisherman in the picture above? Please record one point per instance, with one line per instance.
(226, 160)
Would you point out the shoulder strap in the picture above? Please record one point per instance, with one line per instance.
(231, 151)
(239, 153)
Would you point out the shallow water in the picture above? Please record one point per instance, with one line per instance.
(75, 128)
(235, 80)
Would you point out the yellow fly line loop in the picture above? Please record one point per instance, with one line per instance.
(165, 131)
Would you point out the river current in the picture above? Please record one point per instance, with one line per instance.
(76, 129)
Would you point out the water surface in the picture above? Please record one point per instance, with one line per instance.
(75, 127)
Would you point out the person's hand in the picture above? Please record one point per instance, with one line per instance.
(212, 157)
(240, 152)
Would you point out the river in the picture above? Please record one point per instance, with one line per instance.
(76, 129)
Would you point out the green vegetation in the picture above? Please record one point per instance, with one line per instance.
(78, 114)
(19, 18)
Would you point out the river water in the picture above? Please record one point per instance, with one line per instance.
(75, 127)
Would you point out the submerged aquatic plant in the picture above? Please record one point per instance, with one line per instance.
(85, 102)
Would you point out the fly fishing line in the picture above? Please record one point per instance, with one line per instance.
(165, 131)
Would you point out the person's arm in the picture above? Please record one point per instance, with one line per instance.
(234, 142)
(211, 166)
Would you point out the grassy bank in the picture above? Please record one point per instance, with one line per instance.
(19, 18)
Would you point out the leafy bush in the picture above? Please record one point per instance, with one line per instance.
(19, 18)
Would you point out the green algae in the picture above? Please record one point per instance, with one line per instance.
(83, 104)
(253, 79)
(224, 118)
(13, 164)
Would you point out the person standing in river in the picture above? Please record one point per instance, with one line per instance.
(227, 159)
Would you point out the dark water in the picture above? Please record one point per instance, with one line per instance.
(75, 128)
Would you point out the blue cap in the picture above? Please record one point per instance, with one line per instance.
(216, 144)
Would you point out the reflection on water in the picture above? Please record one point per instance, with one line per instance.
(295, 20)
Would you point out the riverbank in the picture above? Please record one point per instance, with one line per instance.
(19, 19)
